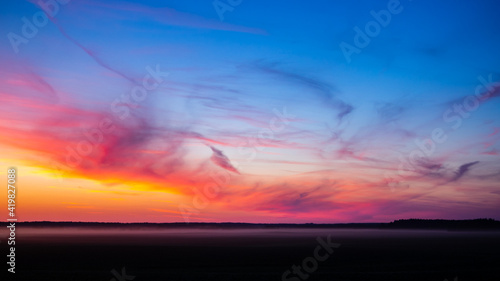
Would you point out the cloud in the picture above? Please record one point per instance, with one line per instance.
(166, 16)
(462, 170)
(389, 112)
(324, 91)
(69, 141)
(222, 161)
(30, 85)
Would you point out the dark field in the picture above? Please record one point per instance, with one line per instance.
(83, 253)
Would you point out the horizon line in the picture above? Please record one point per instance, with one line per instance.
(260, 223)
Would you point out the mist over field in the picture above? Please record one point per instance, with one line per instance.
(250, 140)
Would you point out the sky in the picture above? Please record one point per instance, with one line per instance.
(251, 111)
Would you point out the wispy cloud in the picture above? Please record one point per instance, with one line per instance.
(221, 160)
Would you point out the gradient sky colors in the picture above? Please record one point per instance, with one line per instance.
(140, 111)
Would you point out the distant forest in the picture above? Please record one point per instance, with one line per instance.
(478, 224)
(448, 224)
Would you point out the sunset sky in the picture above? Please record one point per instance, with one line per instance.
(251, 111)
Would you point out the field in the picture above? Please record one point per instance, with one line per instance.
(159, 253)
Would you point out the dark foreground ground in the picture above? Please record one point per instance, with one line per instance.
(83, 253)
